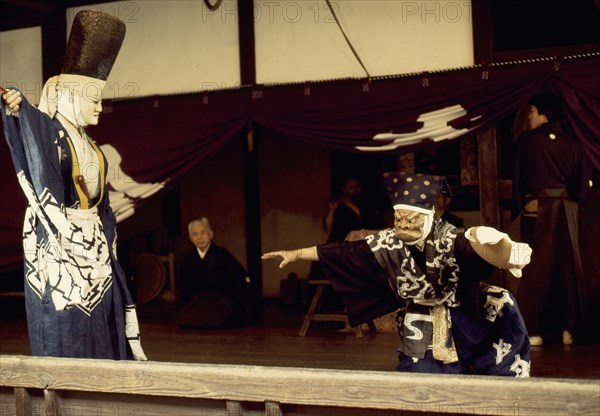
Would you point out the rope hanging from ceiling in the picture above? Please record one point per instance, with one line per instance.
(347, 40)
(212, 7)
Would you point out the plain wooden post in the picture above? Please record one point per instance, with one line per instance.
(52, 402)
(234, 408)
(273, 409)
(488, 178)
(22, 401)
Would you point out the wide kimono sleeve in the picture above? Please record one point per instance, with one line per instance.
(473, 269)
(358, 278)
(32, 140)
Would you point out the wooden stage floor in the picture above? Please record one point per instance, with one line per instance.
(276, 343)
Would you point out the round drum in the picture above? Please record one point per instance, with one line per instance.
(149, 275)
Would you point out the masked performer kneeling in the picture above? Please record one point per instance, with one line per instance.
(430, 274)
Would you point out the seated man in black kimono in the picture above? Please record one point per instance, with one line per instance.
(212, 283)
(430, 274)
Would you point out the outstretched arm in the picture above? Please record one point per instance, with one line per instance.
(498, 249)
(288, 256)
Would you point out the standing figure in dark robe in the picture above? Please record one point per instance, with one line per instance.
(212, 284)
(344, 213)
(430, 274)
(343, 216)
(552, 179)
(76, 297)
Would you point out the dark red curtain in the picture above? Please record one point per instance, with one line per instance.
(579, 85)
(347, 115)
(162, 138)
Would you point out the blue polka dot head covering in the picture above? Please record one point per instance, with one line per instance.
(417, 191)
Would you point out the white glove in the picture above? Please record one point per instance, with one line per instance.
(520, 253)
(485, 235)
(520, 256)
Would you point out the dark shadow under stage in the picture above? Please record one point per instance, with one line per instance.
(276, 342)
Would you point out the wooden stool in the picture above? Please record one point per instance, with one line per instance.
(312, 315)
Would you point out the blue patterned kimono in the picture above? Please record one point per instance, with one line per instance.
(448, 321)
(77, 301)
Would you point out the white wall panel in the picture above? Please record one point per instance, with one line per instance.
(179, 46)
(21, 61)
(298, 40)
(172, 46)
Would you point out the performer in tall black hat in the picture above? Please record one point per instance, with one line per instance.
(429, 273)
(77, 300)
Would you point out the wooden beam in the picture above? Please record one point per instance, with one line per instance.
(253, 226)
(247, 49)
(488, 178)
(483, 37)
(373, 390)
(246, 42)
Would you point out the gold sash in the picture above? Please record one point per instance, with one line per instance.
(78, 179)
(441, 336)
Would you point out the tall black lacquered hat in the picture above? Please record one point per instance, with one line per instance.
(416, 190)
(94, 43)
